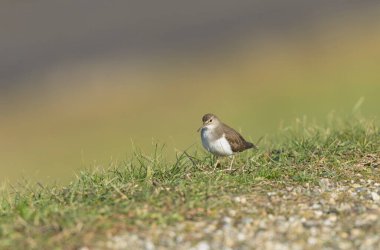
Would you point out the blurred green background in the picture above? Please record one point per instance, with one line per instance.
(82, 83)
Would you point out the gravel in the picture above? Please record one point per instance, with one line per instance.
(328, 215)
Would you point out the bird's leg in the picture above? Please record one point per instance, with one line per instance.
(216, 163)
(232, 162)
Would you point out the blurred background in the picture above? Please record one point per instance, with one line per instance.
(84, 82)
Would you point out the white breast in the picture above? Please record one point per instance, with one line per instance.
(219, 146)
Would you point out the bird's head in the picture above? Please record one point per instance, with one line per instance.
(209, 121)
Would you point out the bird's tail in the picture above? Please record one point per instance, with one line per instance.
(250, 145)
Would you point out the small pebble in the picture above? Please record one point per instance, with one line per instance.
(375, 197)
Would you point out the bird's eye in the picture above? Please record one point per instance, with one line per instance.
(210, 120)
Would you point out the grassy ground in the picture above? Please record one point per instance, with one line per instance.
(148, 202)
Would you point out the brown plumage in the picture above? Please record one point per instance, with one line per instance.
(236, 140)
(207, 117)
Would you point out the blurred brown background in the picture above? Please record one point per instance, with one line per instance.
(81, 82)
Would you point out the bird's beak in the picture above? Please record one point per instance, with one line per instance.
(200, 127)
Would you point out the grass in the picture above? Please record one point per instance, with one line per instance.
(150, 191)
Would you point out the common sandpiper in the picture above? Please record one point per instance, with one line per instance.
(220, 139)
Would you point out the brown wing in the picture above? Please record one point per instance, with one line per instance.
(237, 142)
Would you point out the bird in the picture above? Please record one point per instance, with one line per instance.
(220, 139)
